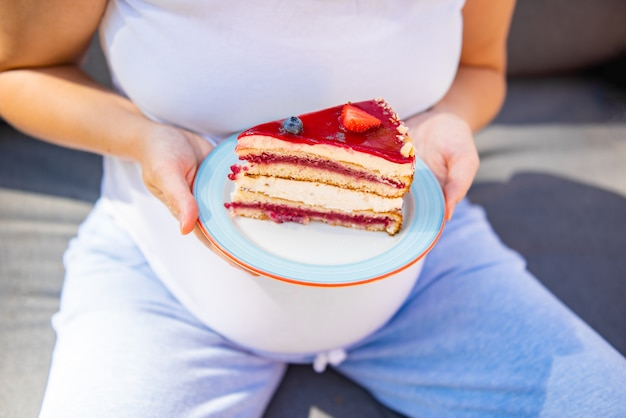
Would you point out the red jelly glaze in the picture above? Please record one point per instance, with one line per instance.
(324, 127)
(281, 214)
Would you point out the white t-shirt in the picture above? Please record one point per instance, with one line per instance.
(218, 67)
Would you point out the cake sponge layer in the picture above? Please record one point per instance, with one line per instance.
(259, 206)
(345, 175)
(312, 194)
(254, 145)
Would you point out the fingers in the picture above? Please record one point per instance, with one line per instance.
(175, 192)
(445, 142)
(188, 216)
(169, 166)
(462, 169)
(182, 202)
(453, 195)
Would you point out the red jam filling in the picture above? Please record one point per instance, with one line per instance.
(280, 214)
(324, 127)
(234, 171)
(334, 167)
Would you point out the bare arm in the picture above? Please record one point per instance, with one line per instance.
(45, 94)
(35, 33)
(443, 135)
(480, 84)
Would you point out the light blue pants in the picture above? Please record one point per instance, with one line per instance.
(478, 337)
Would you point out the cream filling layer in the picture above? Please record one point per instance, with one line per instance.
(316, 194)
(256, 143)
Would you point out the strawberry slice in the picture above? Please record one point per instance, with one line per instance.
(358, 120)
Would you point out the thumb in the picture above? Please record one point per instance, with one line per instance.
(460, 177)
(453, 193)
(188, 213)
(177, 196)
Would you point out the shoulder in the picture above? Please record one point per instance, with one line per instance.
(46, 32)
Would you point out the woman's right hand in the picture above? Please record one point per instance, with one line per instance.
(46, 95)
(169, 158)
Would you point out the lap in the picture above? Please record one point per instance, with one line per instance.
(126, 347)
(481, 337)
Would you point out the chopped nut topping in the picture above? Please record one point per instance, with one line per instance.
(407, 150)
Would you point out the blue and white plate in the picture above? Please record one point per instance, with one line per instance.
(315, 254)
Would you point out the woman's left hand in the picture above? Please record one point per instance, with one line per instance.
(445, 143)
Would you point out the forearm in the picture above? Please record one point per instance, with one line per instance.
(479, 87)
(443, 135)
(476, 96)
(64, 106)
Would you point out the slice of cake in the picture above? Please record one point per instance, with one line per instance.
(348, 165)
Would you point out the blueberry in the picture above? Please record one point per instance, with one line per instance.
(293, 125)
